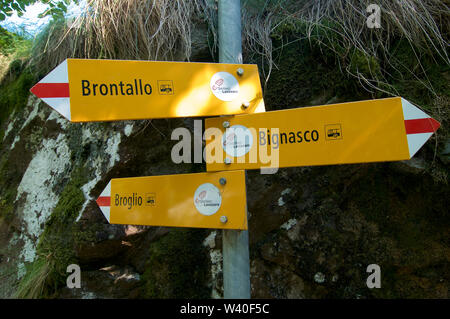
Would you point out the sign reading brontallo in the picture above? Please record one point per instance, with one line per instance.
(114, 89)
(204, 200)
(107, 90)
(389, 129)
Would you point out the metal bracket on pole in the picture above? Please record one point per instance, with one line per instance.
(236, 261)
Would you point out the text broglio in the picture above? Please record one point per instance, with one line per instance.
(128, 201)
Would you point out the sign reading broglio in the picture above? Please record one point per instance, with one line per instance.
(107, 90)
(201, 201)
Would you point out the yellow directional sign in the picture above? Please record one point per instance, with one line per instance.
(368, 131)
(106, 90)
(203, 200)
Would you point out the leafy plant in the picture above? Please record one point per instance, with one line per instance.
(57, 8)
(8, 7)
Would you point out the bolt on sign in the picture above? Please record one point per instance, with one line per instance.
(84, 90)
(201, 200)
(389, 129)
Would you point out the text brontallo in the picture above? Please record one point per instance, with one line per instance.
(120, 88)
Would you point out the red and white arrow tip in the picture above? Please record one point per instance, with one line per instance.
(104, 201)
(53, 89)
(419, 126)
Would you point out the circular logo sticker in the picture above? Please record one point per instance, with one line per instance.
(224, 86)
(207, 199)
(237, 140)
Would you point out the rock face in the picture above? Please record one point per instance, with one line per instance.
(348, 218)
(313, 230)
(107, 282)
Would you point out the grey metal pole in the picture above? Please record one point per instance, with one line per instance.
(230, 39)
(236, 261)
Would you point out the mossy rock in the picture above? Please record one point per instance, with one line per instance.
(14, 90)
(55, 249)
(178, 266)
(364, 64)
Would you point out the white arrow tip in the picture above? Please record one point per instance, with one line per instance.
(59, 104)
(419, 126)
(104, 201)
(53, 89)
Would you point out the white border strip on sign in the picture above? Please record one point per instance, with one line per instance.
(60, 74)
(59, 104)
(106, 210)
(415, 141)
(411, 112)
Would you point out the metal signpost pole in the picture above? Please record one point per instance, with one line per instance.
(236, 262)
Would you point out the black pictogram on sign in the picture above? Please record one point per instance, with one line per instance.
(333, 132)
(150, 199)
(165, 87)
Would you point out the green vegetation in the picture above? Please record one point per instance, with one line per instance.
(14, 90)
(7, 7)
(7, 193)
(34, 282)
(8, 41)
(17, 44)
(57, 8)
(15, 49)
(15, 77)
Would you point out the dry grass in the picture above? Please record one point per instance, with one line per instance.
(162, 30)
(33, 285)
(340, 26)
(422, 22)
(256, 31)
(122, 29)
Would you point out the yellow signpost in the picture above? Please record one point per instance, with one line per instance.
(203, 200)
(368, 131)
(106, 90)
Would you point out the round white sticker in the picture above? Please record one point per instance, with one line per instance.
(237, 140)
(224, 86)
(207, 199)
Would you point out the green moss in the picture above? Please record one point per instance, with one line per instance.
(14, 91)
(308, 71)
(415, 79)
(86, 234)
(7, 193)
(34, 282)
(6, 206)
(178, 266)
(366, 65)
(313, 61)
(13, 44)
